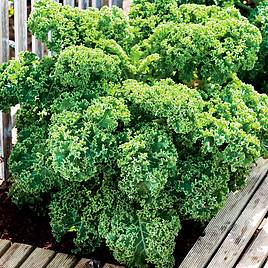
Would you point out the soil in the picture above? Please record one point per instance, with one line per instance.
(25, 226)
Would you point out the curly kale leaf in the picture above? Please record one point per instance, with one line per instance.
(146, 161)
(70, 214)
(210, 52)
(258, 76)
(85, 144)
(196, 177)
(177, 104)
(133, 235)
(62, 26)
(87, 70)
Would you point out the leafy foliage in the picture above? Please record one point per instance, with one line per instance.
(62, 26)
(258, 76)
(136, 122)
(203, 49)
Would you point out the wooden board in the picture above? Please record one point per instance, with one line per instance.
(4, 31)
(39, 258)
(243, 229)
(257, 253)
(202, 251)
(5, 143)
(126, 6)
(85, 263)
(4, 245)
(83, 4)
(63, 261)
(112, 266)
(96, 3)
(5, 123)
(15, 255)
(68, 2)
(20, 15)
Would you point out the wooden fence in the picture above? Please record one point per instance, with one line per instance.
(21, 43)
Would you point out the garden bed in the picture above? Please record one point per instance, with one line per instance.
(24, 225)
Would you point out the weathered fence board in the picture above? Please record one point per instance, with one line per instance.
(83, 4)
(15, 255)
(243, 229)
(68, 2)
(20, 14)
(4, 245)
(107, 265)
(4, 31)
(39, 258)
(63, 261)
(85, 263)
(25, 256)
(5, 143)
(201, 253)
(5, 118)
(257, 253)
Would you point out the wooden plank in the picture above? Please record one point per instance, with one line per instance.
(4, 31)
(85, 263)
(126, 6)
(257, 253)
(96, 3)
(39, 258)
(107, 265)
(83, 4)
(118, 3)
(4, 246)
(242, 231)
(68, 2)
(220, 225)
(5, 143)
(5, 119)
(63, 261)
(20, 14)
(37, 46)
(15, 255)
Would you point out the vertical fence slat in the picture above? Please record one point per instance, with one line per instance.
(4, 42)
(83, 4)
(20, 13)
(68, 2)
(37, 46)
(118, 3)
(5, 118)
(96, 3)
(110, 3)
(126, 6)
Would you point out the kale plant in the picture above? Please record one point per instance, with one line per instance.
(135, 123)
(259, 75)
